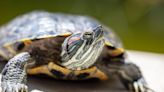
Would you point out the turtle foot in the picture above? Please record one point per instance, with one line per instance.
(13, 87)
(139, 86)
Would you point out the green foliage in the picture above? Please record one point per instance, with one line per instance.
(139, 23)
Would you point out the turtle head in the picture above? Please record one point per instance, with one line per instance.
(80, 51)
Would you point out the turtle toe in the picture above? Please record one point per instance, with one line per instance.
(13, 87)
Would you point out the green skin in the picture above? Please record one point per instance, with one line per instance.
(14, 73)
(86, 46)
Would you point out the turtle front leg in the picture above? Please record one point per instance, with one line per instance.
(130, 75)
(14, 74)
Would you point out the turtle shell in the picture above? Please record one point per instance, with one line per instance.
(41, 24)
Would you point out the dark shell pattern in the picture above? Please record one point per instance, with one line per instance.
(41, 24)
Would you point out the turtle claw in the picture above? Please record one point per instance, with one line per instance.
(139, 86)
(14, 74)
(14, 87)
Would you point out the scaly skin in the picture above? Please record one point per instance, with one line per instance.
(39, 25)
(131, 76)
(14, 74)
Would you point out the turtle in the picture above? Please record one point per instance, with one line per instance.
(65, 47)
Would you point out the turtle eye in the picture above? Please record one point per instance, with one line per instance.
(87, 35)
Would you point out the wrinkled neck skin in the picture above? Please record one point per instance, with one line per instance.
(85, 56)
(45, 50)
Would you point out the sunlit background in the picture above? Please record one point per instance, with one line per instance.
(139, 23)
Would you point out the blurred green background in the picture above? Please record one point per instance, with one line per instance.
(139, 23)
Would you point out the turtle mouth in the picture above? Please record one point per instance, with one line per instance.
(85, 52)
(98, 33)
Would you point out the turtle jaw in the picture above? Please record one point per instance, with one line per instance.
(82, 53)
(84, 59)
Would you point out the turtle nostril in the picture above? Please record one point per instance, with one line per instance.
(98, 32)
